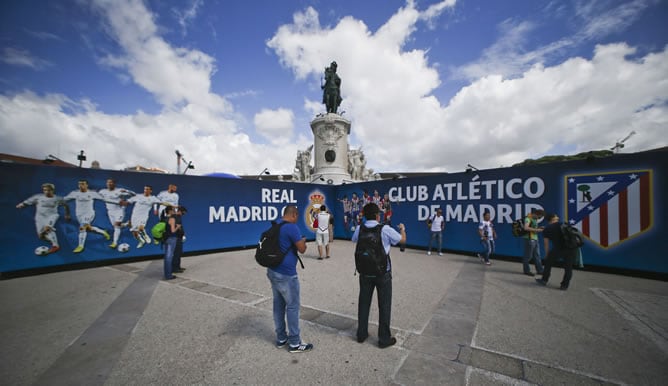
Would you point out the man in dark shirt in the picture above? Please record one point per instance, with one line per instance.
(552, 233)
(178, 251)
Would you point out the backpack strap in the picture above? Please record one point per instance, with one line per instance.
(379, 228)
(292, 246)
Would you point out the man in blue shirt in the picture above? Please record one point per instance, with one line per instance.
(383, 283)
(285, 284)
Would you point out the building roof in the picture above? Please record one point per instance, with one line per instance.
(48, 160)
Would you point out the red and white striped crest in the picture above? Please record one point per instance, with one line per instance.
(610, 208)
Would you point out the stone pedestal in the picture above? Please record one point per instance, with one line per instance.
(330, 151)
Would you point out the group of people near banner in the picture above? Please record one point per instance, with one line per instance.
(553, 244)
(285, 281)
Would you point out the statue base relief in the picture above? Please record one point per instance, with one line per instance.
(330, 150)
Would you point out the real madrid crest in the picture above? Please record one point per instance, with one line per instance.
(316, 199)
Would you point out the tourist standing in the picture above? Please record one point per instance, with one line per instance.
(285, 284)
(436, 224)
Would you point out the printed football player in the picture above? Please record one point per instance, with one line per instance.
(142, 207)
(84, 200)
(347, 210)
(115, 210)
(356, 208)
(169, 196)
(46, 214)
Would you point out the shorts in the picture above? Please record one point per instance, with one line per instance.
(116, 215)
(321, 238)
(85, 218)
(45, 221)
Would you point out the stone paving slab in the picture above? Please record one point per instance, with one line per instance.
(456, 321)
(42, 315)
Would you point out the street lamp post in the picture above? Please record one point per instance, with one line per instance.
(81, 157)
(263, 172)
(179, 158)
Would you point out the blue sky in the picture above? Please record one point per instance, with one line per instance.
(233, 85)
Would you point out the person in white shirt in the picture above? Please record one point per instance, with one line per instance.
(142, 206)
(46, 214)
(487, 236)
(115, 211)
(169, 196)
(322, 232)
(84, 200)
(436, 225)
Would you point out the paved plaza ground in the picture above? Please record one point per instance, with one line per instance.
(456, 321)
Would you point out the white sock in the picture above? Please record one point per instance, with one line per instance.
(117, 234)
(82, 238)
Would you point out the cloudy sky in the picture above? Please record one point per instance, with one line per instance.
(233, 85)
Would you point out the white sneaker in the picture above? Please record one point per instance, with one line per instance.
(141, 244)
(440, 254)
(429, 252)
(303, 347)
(147, 238)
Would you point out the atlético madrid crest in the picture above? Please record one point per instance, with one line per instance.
(610, 208)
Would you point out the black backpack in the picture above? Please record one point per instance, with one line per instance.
(518, 228)
(571, 236)
(370, 256)
(268, 252)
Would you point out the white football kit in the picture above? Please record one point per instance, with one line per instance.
(171, 198)
(46, 210)
(84, 205)
(143, 205)
(115, 212)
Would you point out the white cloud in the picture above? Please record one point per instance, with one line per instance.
(275, 125)
(492, 122)
(579, 104)
(512, 54)
(388, 92)
(35, 126)
(187, 16)
(435, 10)
(201, 124)
(43, 35)
(23, 58)
(599, 20)
(507, 56)
(174, 75)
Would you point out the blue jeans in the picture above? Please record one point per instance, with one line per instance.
(487, 248)
(170, 246)
(436, 235)
(383, 285)
(286, 303)
(531, 251)
(178, 251)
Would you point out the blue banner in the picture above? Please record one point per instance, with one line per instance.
(617, 203)
(221, 213)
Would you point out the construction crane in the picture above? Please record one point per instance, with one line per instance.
(620, 144)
